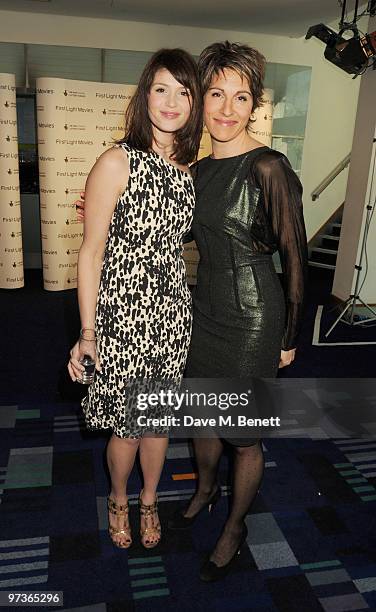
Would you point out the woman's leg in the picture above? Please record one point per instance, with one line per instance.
(121, 453)
(248, 471)
(208, 452)
(152, 458)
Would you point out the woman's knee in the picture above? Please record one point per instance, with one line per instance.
(254, 450)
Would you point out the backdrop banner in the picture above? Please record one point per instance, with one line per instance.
(262, 126)
(77, 121)
(262, 131)
(11, 257)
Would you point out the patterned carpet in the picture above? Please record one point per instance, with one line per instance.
(312, 530)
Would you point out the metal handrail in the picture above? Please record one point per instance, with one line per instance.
(330, 178)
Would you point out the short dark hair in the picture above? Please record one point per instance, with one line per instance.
(246, 61)
(138, 127)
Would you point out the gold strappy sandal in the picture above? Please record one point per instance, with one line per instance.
(150, 534)
(123, 511)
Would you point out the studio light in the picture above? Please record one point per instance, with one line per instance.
(355, 54)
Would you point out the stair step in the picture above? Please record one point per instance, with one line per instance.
(318, 264)
(326, 243)
(330, 237)
(336, 228)
(322, 250)
(326, 256)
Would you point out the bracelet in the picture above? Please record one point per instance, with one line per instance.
(82, 332)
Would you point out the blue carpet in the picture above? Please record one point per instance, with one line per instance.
(312, 529)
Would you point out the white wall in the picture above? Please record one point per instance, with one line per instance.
(333, 94)
(361, 191)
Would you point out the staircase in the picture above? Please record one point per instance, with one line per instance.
(323, 248)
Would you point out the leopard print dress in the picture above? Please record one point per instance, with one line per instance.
(143, 313)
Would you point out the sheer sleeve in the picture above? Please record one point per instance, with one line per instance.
(283, 200)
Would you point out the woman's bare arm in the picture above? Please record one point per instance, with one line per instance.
(106, 181)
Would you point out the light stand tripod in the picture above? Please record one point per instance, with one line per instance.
(355, 298)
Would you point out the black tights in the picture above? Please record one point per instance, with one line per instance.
(247, 475)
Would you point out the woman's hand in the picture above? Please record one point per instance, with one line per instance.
(81, 348)
(286, 358)
(80, 207)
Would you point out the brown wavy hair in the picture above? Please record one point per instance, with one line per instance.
(246, 61)
(138, 127)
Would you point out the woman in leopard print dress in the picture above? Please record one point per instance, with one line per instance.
(135, 305)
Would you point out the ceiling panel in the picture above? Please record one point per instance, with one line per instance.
(285, 17)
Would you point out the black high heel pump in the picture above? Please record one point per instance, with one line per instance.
(179, 521)
(210, 572)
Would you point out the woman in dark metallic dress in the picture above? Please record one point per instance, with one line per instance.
(248, 205)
